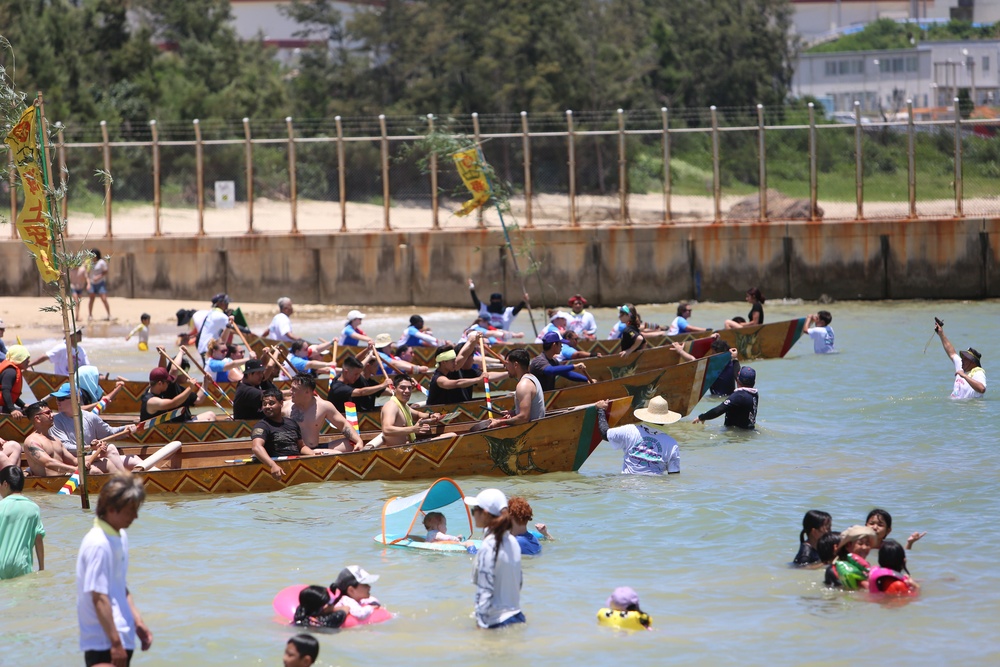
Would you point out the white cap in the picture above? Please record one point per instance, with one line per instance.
(358, 574)
(559, 314)
(2, 325)
(355, 315)
(493, 501)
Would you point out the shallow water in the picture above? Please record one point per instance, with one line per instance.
(707, 550)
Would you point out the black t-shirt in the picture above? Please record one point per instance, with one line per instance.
(740, 409)
(725, 384)
(629, 336)
(807, 555)
(172, 392)
(248, 399)
(341, 392)
(279, 439)
(438, 396)
(756, 308)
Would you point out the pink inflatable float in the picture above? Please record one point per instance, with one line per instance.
(287, 600)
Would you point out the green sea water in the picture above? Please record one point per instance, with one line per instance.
(707, 550)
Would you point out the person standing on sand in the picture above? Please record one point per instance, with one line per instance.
(78, 284)
(970, 378)
(108, 618)
(97, 283)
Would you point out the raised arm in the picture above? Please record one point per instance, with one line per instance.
(949, 349)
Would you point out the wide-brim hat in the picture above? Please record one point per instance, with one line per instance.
(382, 340)
(657, 412)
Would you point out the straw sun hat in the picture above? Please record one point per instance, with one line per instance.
(658, 412)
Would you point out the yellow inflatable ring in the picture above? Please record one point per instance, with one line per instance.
(625, 620)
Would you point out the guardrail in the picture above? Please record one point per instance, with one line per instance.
(616, 168)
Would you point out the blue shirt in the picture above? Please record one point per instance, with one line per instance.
(217, 367)
(530, 546)
(298, 363)
(347, 336)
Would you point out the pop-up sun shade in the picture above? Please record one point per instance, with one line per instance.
(402, 518)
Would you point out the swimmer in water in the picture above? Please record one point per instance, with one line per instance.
(881, 522)
(815, 524)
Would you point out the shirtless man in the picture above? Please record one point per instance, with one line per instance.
(10, 453)
(400, 422)
(48, 457)
(311, 412)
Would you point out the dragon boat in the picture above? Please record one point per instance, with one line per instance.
(561, 442)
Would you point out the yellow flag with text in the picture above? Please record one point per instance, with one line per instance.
(33, 224)
(471, 171)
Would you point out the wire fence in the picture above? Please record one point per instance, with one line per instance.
(563, 170)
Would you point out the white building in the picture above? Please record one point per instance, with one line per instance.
(254, 17)
(815, 19)
(931, 74)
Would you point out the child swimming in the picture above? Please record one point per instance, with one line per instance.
(437, 527)
(815, 524)
(315, 609)
(881, 522)
(888, 577)
(850, 569)
(354, 587)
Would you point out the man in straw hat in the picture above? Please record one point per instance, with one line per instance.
(970, 378)
(648, 449)
(741, 406)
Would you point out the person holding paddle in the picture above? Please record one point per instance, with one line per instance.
(970, 378)
(400, 422)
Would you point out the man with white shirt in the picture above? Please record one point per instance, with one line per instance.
(281, 324)
(209, 324)
(970, 378)
(110, 623)
(60, 360)
(581, 321)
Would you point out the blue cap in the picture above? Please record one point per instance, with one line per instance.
(63, 391)
(748, 376)
(553, 337)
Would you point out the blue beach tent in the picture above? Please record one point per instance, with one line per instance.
(402, 518)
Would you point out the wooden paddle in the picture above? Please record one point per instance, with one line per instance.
(201, 368)
(486, 378)
(197, 384)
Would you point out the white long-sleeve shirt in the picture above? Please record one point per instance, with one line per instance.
(498, 579)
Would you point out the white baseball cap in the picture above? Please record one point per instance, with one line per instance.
(355, 315)
(492, 501)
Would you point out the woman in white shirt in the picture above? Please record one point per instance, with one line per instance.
(497, 573)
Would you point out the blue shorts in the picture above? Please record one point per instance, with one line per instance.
(98, 288)
(78, 292)
(516, 618)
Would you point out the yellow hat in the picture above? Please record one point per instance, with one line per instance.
(18, 353)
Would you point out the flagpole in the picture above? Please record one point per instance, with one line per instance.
(513, 255)
(59, 260)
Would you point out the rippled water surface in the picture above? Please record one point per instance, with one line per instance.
(707, 550)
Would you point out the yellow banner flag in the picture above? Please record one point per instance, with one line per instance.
(471, 171)
(32, 221)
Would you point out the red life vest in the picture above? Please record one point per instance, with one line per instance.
(15, 391)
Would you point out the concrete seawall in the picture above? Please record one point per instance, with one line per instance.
(947, 259)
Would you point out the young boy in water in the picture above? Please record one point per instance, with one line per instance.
(354, 586)
(437, 527)
(301, 651)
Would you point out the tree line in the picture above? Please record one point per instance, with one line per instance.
(127, 61)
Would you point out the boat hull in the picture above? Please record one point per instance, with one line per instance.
(560, 443)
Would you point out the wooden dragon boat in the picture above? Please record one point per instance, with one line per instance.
(765, 341)
(558, 443)
(682, 385)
